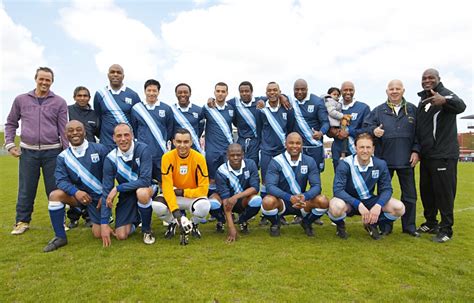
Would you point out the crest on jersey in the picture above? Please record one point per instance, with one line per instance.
(304, 169)
(354, 116)
(283, 115)
(161, 113)
(375, 174)
(95, 158)
(195, 115)
(246, 174)
(310, 108)
(128, 100)
(138, 161)
(231, 112)
(183, 169)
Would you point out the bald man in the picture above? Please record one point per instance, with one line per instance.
(358, 111)
(113, 104)
(437, 133)
(392, 123)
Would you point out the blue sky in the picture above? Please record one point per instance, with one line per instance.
(202, 42)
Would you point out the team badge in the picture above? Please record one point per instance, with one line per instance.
(354, 116)
(247, 174)
(195, 115)
(95, 158)
(283, 116)
(161, 113)
(128, 100)
(183, 169)
(231, 112)
(310, 108)
(304, 169)
(138, 161)
(375, 174)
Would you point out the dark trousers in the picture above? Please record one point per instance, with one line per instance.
(406, 178)
(30, 165)
(438, 179)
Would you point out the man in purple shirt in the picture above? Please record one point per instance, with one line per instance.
(43, 118)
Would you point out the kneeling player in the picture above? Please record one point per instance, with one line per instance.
(78, 178)
(354, 185)
(287, 177)
(130, 163)
(237, 188)
(185, 183)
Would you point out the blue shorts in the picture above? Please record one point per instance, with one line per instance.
(126, 211)
(213, 161)
(369, 203)
(156, 169)
(251, 147)
(317, 153)
(288, 209)
(94, 213)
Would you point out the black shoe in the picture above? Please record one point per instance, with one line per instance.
(412, 233)
(184, 238)
(244, 228)
(54, 244)
(263, 221)
(341, 231)
(297, 220)
(219, 227)
(441, 237)
(283, 221)
(386, 228)
(308, 229)
(275, 230)
(373, 231)
(171, 230)
(195, 232)
(73, 224)
(425, 228)
(318, 221)
(88, 223)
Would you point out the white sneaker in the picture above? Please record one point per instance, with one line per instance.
(148, 238)
(20, 228)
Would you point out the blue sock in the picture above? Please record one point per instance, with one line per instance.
(56, 214)
(218, 214)
(248, 213)
(337, 220)
(145, 211)
(315, 214)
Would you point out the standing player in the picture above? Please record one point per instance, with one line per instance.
(130, 164)
(113, 104)
(238, 184)
(274, 123)
(354, 186)
(393, 124)
(311, 119)
(218, 132)
(188, 115)
(358, 111)
(287, 178)
(185, 183)
(79, 181)
(153, 124)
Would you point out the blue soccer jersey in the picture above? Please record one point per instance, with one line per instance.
(230, 183)
(310, 115)
(273, 124)
(191, 119)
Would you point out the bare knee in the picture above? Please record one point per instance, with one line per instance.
(144, 195)
(321, 201)
(337, 207)
(57, 195)
(269, 202)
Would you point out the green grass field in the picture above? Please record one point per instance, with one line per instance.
(257, 268)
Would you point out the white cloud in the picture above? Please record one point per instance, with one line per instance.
(21, 54)
(324, 42)
(117, 37)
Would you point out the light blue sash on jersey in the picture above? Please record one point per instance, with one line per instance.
(155, 130)
(357, 179)
(181, 119)
(247, 115)
(274, 124)
(307, 131)
(112, 106)
(289, 174)
(233, 180)
(351, 145)
(84, 174)
(221, 122)
(122, 168)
